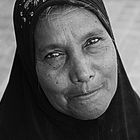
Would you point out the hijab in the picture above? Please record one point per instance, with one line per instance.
(25, 112)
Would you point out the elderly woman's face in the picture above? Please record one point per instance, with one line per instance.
(76, 63)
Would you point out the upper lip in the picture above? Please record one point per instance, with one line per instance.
(78, 94)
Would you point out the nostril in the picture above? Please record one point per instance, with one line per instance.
(91, 76)
(84, 78)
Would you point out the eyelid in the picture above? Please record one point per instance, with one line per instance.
(92, 38)
(53, 52)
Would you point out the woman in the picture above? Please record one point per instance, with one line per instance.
(67, 80)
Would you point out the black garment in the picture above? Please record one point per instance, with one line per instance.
(25, 112)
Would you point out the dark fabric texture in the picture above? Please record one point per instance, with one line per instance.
(26, 114)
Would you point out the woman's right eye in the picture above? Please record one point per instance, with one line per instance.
(55, 59)
(53, 55)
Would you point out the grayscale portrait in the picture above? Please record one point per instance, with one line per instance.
(67, 80)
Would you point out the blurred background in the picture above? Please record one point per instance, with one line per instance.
(125, 20)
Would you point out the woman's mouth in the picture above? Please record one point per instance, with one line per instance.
(85, 95)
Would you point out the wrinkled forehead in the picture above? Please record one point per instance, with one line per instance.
(76, 18)
(67, 15)
(64, 12)
(54, 12)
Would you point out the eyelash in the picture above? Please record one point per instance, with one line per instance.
(94, 39)
(56, 54)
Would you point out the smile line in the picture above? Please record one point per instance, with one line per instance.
(88, 93)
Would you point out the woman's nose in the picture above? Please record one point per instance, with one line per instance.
(81, 72)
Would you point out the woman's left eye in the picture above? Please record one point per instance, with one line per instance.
(92, 41)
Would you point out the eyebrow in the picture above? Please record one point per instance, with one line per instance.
(95, 32)
(49, 47)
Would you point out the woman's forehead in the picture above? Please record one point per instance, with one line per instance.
(74, 14)
(57, 10)
(80, 24)
(76, 18)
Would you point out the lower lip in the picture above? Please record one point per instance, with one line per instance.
(88, 95)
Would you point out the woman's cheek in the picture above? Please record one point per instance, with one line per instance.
(111, 73)
(108, 61)
(61, 81)
(52, 79)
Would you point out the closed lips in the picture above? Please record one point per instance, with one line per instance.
(88, 93)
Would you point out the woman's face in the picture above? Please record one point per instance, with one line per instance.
(76, 63)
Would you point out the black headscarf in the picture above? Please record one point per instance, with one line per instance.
(25, 112)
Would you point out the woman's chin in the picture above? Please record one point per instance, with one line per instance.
(90, 106)
(86, 114)
(86, 111)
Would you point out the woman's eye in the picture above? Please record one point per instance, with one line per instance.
(53, 55)
(55, 59)
(92, 41)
